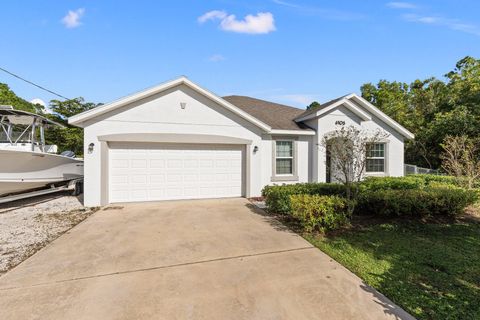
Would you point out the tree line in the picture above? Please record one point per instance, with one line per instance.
(67, 138)
(435, 110)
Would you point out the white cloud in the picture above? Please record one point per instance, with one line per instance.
(38, 101)
(216, 58)
(434, 19)
(422, 19)
(261, 23)
(453, 24)
(212, 15)
(46, 108)
(72, 19)
(324, 13)
(287, 4)
(401, 5)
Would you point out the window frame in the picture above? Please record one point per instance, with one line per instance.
(284, 176)
(384, 158)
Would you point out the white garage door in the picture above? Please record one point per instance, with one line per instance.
(149, 171)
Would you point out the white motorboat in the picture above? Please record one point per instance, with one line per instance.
(26, 162)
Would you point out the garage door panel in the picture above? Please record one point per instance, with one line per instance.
(139, 179)
(205, 163)
(157, 163)
(119, 163)
(235, 178)
(190, 178)
(174, 192)
(138, 164)
(157, 178)
(140, 172)
(190, 164)
(157, 192)
(191, 192)
(119, 179)
(139, 194)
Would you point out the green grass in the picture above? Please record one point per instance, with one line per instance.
(431, 270)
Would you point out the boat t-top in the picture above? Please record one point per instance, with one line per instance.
(26, 162)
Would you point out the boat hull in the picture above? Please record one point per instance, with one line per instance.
(23, 170)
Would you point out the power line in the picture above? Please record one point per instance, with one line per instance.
(34, 84)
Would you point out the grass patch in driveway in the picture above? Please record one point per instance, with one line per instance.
(431, 270)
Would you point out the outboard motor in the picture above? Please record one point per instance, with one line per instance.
(68, 153)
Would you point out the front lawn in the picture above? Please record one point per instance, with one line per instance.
(431, 270)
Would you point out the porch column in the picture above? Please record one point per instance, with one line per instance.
(321, 158)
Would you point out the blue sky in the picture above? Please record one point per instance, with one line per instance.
(287, 51)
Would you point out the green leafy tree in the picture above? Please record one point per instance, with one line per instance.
(464, 85)
(69, 137)
(392, 97)
(8, 97)
(313, 105)
(432, 109)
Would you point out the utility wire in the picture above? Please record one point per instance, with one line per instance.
(34, 84)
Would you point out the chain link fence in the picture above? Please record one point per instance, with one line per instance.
(413, 169)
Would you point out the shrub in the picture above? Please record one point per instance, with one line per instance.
(319, 213)
(442, 185)
(432, 178)
(277, 198)
(416, 181)
(411, 202)
(392, 183)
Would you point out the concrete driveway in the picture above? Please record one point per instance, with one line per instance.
(205, 259)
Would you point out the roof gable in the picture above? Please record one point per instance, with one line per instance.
(81, 118)
(358, 105)
(311, 111)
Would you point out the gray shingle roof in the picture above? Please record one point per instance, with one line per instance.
(277, 116)
(323, 105)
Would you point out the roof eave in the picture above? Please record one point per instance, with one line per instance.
(81, 118)
(320, 111)
(370, 107)
(307, 132)
(388, 120)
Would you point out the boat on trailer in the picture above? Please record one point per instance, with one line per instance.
(26, 163)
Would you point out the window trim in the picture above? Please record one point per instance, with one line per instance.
(384, 158)
(284, 177)
(287, 158)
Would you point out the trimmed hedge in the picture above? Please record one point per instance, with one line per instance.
(431, 179)
(415, 203)
(277, 198)
(416, 181)
(392, 183)
(414, 195)
(442, 185)
(320, 213)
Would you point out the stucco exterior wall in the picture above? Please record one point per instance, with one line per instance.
(161, 118)
(341, 116)
(303, 159)
(162, 114)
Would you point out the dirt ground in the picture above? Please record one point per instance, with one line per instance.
(28, 225)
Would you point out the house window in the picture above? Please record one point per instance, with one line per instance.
(284, 157)
(375, 157)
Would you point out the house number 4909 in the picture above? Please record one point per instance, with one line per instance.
(340, 123)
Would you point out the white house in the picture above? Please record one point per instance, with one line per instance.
(180, 141)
